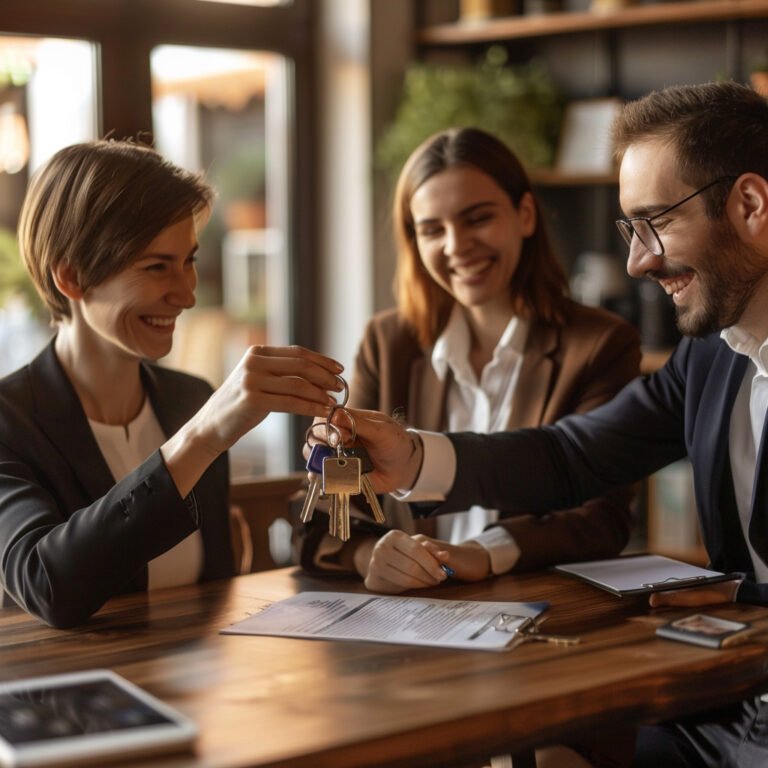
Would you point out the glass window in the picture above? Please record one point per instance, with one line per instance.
(48, 99)
(224, 112)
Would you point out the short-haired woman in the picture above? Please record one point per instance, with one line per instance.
(113, 470)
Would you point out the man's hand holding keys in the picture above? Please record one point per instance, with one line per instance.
(338, 469)
(395, 453)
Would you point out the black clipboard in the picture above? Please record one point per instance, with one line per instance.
(642, 574)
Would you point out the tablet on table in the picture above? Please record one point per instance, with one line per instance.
(85, 717)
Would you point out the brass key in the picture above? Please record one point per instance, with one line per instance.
(341, 479)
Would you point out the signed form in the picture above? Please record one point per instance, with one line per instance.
(466, 624)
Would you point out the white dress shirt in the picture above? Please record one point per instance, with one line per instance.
(476, 406)
(746, 429)
(744, 440)
(124, 448)
(482, 406)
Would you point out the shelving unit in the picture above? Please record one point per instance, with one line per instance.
(547, 25)
(624, 53)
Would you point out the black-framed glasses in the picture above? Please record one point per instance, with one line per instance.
(642, 226)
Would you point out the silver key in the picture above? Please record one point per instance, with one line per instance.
(527, 631)
(314, 490)
(365, 484)
(334, 517)
(372, 499)
(341, 479)
(315, 470)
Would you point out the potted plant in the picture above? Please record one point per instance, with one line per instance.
(23, 331)
(241, 182)
(521, 105)
(14, 280)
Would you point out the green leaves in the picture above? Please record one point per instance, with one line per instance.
(14, 280)
(520, 105)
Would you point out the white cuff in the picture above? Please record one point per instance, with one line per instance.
(438, 470)
(502, 548)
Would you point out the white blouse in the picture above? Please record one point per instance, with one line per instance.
(482, 406)
(124, 448)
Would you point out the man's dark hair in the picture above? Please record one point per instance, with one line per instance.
(715, 129)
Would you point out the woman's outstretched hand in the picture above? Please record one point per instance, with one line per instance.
(266, 380)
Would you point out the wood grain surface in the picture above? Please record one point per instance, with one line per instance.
(262, 701)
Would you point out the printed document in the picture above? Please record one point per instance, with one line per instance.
(466, 624)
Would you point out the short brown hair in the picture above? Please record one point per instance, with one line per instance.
(716, 130)
(96, 206)
(539, 285)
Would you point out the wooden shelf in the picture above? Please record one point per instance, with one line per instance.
(551, 177)
(516, 27)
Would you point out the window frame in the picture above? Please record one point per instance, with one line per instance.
(126, 31)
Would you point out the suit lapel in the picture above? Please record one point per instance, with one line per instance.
(62, 418)
(166, 402)
(426, 396)
(535, 380)
(427, 393)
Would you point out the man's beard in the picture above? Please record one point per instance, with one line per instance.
(727, 280)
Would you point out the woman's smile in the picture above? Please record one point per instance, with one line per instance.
(160, 322)
(472, 271)
(470, 235)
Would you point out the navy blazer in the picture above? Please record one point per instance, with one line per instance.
(70, 537)
(683, 409)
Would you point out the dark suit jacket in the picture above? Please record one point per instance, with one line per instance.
(566, 369)
(684, 409)
(70, 537)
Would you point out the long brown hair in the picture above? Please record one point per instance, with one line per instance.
(538, 287)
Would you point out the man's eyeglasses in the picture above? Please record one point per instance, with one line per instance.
(642, 226)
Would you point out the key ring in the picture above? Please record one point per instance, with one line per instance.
(331, 427)
(338, 477)
(346, 391)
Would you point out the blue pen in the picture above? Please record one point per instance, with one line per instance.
(447, 570)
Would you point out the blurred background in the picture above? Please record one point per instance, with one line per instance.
(301, 113)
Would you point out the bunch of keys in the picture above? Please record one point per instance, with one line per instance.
(339, 473)
(524, 630)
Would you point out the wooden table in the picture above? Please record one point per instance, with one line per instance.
(262, 701)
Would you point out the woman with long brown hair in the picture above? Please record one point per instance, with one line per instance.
(484, 338)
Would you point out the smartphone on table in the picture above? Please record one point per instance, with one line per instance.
(709, 631)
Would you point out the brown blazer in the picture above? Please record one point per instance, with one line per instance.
(566, 369)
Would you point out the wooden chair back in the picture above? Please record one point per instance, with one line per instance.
(255, 505)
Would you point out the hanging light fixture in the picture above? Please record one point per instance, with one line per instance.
(14, 140)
